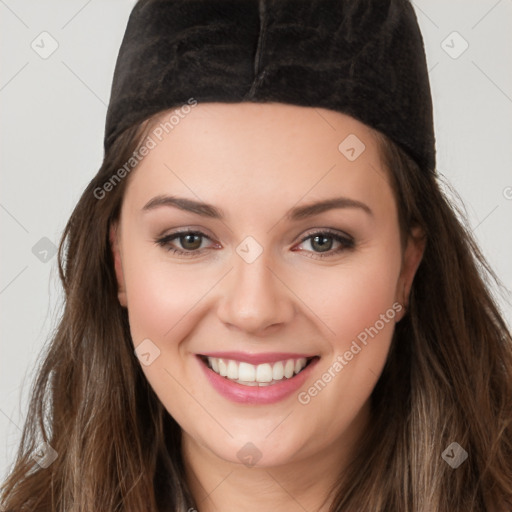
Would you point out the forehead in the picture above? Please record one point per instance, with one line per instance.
(259, 151)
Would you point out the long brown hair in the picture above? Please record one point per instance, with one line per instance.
(447, 378)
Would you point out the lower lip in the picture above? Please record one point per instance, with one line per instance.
(256, 394)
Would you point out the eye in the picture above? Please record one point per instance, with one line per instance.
(322, 242)
(191, 242)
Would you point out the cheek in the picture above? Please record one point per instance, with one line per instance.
(159, 295)
(360, 309)
(162, 302)
(352, 296)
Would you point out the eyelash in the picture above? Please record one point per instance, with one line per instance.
(346, 242)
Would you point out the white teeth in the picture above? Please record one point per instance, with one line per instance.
(232, 370)
(288, 368)
(246, 372)
(278, 370)
(247, 383)
(264, 374)
(223, 367)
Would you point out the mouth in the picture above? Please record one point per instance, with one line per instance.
(264, 374)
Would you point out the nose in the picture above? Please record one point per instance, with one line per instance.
(255, 299)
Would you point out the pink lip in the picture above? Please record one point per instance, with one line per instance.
(256, 394)
(265, 357)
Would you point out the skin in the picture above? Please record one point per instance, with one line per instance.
(255, 162)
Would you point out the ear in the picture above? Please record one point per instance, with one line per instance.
(411, 260)
(118, 266)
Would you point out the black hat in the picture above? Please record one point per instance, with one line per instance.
(364, 58)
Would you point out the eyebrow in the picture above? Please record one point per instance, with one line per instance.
(294, 214)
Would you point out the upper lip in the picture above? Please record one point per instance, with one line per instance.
(264, 357)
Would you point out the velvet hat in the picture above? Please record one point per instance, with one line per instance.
(364, 58)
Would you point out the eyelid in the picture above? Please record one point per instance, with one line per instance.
(165, 240)
(326, 231)
(185, 230)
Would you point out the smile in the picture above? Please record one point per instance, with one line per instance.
(256, 379)
(265, 374)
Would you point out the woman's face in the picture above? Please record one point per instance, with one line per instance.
(264, 277)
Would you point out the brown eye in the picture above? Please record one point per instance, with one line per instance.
(323, 243)
(184, 243)
(190, 242)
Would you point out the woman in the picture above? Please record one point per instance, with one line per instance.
(337, 349)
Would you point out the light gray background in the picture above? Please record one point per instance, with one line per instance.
(53, 113)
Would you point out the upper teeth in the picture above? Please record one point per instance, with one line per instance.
(250, 374)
